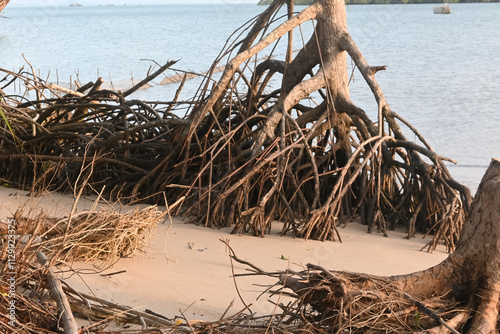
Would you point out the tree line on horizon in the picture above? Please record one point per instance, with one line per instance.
(366, 2)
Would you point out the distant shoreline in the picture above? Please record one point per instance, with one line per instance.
(385, 2)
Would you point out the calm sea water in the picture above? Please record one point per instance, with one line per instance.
(443, 70)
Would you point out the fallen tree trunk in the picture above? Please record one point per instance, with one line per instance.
(459, 295)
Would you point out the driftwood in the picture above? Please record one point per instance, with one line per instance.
(91, 307)
(57, 293)
(254, 153)
(49, 143)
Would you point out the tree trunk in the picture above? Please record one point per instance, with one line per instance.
(3, 3)
(463, 290)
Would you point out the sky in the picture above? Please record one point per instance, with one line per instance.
(120, 2)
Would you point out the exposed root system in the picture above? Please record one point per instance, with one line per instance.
(267, 140)
(249, 150)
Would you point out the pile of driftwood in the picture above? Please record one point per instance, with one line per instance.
(301, 151)
(249, 151)
(245, 154)
(322, 300)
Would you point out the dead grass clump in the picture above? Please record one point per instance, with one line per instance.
(101, 235)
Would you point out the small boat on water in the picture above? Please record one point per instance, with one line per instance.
(76, 5)
(444, 9)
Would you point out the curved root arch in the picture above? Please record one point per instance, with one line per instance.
(272, 154)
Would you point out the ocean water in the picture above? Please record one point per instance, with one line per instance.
(443, 71)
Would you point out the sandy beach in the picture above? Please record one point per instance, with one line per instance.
(185, 269)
